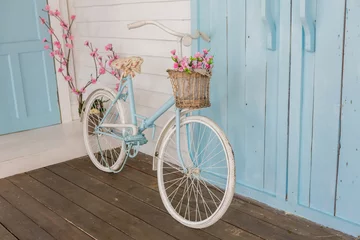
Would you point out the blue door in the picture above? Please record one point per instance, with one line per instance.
(249, 88)
(294, 127)
(28, 92)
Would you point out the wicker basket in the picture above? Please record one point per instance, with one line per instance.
(191, 90)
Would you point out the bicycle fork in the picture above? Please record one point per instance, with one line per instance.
(178, 146)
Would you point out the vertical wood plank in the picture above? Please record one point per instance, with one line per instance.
(255, 69)
(236, 82)
(271, 107)
(218, 31)
(284, 36)
(327, 92)
(349, 165)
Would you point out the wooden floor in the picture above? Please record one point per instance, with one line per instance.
(74, 200)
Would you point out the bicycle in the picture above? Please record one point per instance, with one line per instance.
(193, 157)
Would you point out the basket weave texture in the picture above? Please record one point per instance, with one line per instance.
(191, 90)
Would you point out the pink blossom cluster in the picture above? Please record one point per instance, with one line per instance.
(103, 65)
(60, 50)
(200, 60)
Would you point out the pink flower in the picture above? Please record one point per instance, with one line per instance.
(64, 63)
(52, 13)
(69, 45)
(51, 31)
(93, 80)
(73, 17)
(110, 62)
(108, 47)
(57, 13)
(197, 55)
(100, 58)
(57, 44)
(181, 69)
(47, 8)
(113, 72)
(93, 54)
(82, 90)
(60, 69)
(173, 52)
(117, 87)
(75, 91)
(68, 78)
(71, 37)
(44, 40)
(46, 47)
(63, 25)
(206, 51)
(52, 54)
(42, 20)
(176, 65)
(56, 52)
(64, 36)
(102, 70)
(86, 43)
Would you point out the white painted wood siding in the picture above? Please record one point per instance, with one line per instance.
(103, 22)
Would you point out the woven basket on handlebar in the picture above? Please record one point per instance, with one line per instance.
(191, 90)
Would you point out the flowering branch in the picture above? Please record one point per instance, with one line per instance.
(62, 54)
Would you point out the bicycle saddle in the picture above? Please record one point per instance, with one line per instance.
(128, 66)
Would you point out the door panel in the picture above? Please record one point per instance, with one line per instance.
(245, 88)
(315, 106)
(347, 204)
(27, 72)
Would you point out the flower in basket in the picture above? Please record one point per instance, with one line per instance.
(201, 62)
(190, 79)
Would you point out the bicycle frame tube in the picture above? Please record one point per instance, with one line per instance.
(148, 122)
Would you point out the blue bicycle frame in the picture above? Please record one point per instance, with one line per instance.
(147, 122)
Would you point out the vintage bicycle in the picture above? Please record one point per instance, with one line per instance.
(193, 157)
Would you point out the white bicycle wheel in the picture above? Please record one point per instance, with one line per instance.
(200, 196)
(105, 151)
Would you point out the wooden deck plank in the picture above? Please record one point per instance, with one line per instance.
(233, 216)
(289, 223)
(20, 225)
(58, 227)
(127, 223)
(5, 234)
(152, 198)
(159, 218)
(84, 220)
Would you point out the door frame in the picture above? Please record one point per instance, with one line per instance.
(63, 89)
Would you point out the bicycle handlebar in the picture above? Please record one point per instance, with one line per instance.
(168, 30)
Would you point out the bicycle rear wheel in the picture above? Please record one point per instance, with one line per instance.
(200, 195)
(105, 151)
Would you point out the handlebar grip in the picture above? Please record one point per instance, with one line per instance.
(136, 24)
(205, 37)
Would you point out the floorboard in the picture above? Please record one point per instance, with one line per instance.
(58, 227)
(19, 224)
(78, 216)
(125, 222)
(5, 234)
(152, 200)
(74, 200)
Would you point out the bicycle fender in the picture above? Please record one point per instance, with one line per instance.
(91, 94)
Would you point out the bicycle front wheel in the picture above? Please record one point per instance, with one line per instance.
(198, 190)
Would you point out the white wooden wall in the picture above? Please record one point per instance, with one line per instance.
(102, 22)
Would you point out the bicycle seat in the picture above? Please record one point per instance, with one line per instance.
(128, 66)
